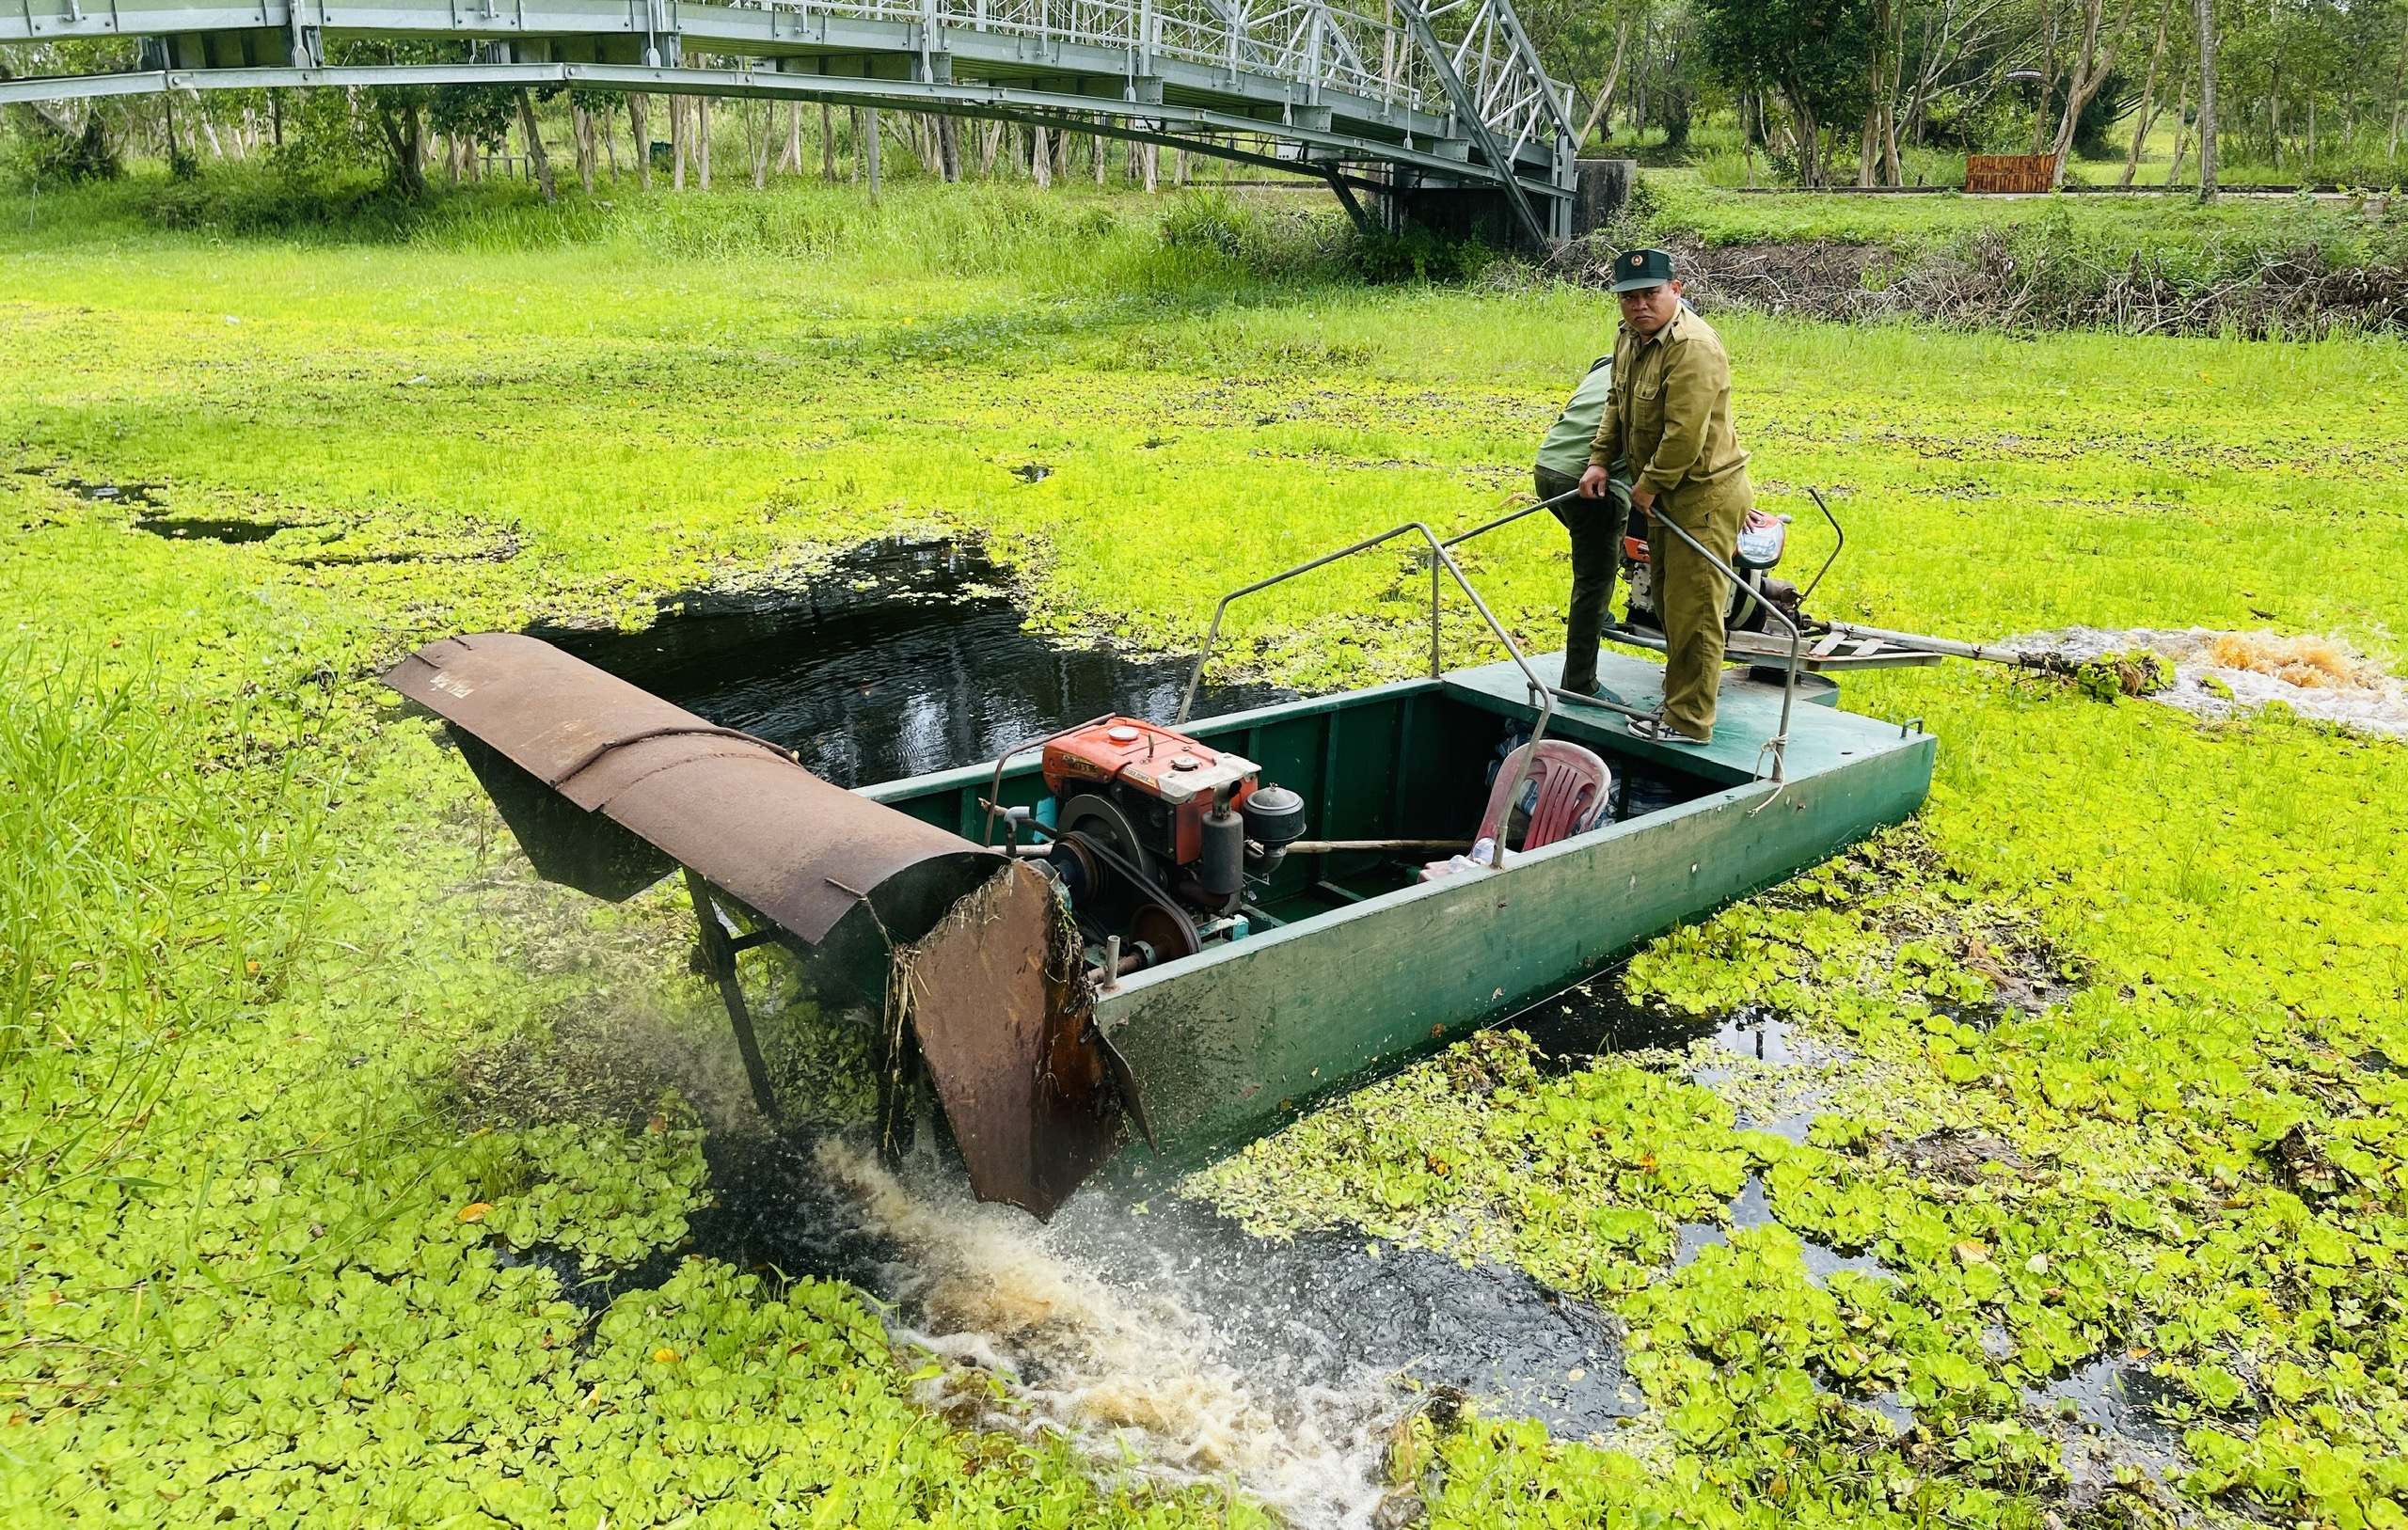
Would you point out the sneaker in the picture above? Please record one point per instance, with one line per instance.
(1657, 731)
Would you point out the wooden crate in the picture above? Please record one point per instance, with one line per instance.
(2010, 172)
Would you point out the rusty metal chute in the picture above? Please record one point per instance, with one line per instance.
(609, 787)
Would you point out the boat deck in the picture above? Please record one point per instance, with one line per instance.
(1822, 738)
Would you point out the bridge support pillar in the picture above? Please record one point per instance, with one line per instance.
(1602, 191)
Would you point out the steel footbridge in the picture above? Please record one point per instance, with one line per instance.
(1440, 108)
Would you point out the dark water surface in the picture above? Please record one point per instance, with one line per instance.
(901, 658)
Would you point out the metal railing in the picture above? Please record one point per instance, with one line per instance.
(1439, 558)
(1779, 743)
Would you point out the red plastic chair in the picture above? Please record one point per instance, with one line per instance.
(1571, 783)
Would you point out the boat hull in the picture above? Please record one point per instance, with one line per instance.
(1234, 1043)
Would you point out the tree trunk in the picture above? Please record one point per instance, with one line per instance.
(2274, 111)
(1894, 171)
(853, 161)
(1040, 165)
(2399, 77)
(402, 137)
(679, 142)
(871, 132)
(703, 138)
(1808, 133)
(2148, 111)
(2182, 130)
(2047, 79)
(1868, 145)
(990, 137)
(1606, 93)
(536, 154)
(761, 149)
(2203, 13)
(949, 148)
(827, 144)
(1061, 155)
(2090, 71)
(581, 124)
(639, 127)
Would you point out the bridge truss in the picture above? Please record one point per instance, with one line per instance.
(1433, 101)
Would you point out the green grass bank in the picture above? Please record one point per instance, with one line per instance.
(255, 918)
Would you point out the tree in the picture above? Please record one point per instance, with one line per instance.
(2092, 64)
(479, 115)
(1812, 55)
(2146, 116)
(535, 146)
(2203, 15)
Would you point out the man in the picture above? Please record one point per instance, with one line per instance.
(1594, 522)
(1670, 414)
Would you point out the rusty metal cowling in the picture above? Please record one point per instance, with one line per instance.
(607, 787)
(800, 851)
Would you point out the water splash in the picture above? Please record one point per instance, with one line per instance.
(1134, 1375)
(2217, 673)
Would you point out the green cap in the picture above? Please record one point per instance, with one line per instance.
(1634, 269)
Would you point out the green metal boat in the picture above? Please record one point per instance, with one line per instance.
(1361, 968)
(1199, 930)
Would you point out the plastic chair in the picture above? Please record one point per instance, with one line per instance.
(1572, 795)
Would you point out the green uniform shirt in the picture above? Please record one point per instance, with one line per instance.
(1670, 409)
(1565, 450)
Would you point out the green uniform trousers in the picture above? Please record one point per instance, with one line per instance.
(1691, 595)
(1595, 526)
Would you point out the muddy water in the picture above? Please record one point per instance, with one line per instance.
(901, 658)
(1158, 1334)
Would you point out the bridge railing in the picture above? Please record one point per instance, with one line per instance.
(1367, 52)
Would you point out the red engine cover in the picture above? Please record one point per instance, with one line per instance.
(1181, 772)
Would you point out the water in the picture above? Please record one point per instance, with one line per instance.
(2220, 674)
(1158, 1332)
(149, 500)
(202, 529)
(901, 658)
(1594, 1018)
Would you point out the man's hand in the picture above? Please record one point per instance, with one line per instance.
(1641, 495)
(1592, 484)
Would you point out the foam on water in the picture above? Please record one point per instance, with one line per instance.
(1129, 1371)
(2318, 677)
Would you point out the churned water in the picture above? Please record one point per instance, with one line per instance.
(1159, 1335)
(2219, 672)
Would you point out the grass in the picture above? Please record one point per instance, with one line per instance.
(1917, 225)
(257, 1232)
(1715, 154)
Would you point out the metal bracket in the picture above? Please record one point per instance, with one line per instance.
(719, 959)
